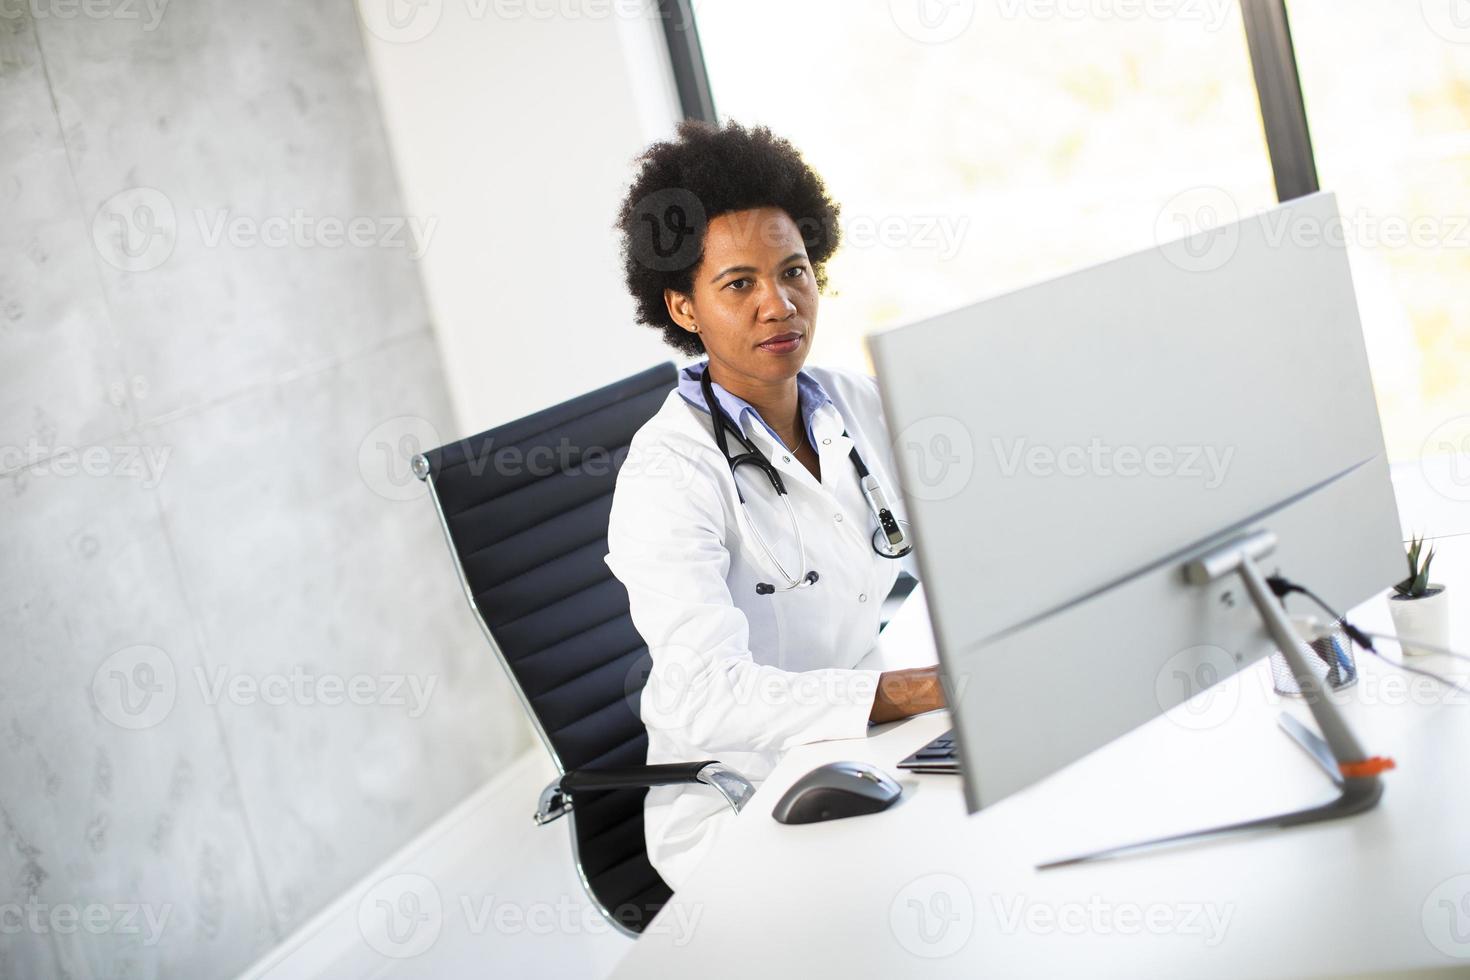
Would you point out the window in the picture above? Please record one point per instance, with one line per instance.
(1387, 91)
(992, 145)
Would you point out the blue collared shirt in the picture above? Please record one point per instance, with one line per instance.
(809, 393)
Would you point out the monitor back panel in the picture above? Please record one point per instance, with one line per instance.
(1065, 448)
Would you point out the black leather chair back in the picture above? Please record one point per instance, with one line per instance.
(525, 506)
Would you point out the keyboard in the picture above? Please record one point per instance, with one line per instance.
(938, 756)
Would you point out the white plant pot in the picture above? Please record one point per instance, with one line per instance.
(1426, 619)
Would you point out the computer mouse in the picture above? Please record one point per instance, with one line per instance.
(837, 790)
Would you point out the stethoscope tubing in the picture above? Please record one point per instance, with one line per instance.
(753, 456)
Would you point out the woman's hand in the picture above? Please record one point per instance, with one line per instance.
(902, 693)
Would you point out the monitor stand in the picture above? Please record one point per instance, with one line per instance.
(1336, 750)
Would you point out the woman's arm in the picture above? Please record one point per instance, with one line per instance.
(902, 693)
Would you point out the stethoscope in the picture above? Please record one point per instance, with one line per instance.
(890, 538)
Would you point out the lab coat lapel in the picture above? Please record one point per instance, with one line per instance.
(839, 484)
(832, 447)
(789, 466)
(839, 478)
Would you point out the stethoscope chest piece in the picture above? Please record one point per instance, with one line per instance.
(890, 546)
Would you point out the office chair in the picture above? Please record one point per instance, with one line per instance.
(525, 508)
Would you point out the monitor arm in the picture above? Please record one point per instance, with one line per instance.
(1337, 750)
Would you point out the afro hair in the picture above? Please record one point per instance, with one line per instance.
(685, 183)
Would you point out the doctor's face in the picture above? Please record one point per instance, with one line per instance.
(754, 298)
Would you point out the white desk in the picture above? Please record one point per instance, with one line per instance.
(925, 890)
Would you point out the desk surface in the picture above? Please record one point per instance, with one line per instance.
(924, 889)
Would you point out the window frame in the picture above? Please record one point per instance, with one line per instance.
(686, 59)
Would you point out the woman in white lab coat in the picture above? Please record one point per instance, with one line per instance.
(725, 235)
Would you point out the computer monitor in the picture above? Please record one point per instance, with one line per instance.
(1067, 449)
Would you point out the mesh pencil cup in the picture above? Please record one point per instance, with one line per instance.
(1331, 662)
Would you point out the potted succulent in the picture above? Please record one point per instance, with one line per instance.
(1421, 609)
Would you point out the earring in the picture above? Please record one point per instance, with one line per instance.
(694, 327)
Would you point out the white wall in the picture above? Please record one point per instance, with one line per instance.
(216, 592)
(516, 131)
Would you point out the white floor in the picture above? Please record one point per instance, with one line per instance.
(484, 892)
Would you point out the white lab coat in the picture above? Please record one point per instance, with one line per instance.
(740, 677)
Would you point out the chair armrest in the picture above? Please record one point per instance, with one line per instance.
(631, 777)
(556, 798)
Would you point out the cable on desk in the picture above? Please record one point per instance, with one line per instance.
(1431, 647)
(1283, 587)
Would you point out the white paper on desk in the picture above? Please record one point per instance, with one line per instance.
(907, 640)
